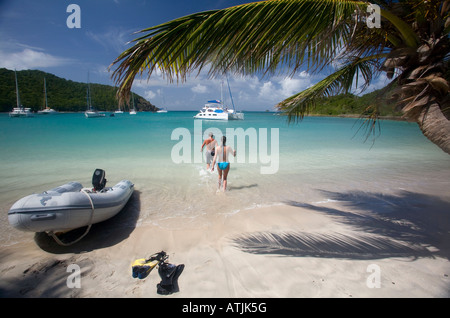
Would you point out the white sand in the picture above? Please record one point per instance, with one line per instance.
(293, 250)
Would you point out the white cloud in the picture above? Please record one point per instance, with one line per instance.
(279, 88)
(30, 59)
(247, 82)
(149, 95)
(267, 90)
(115, 39)
(290, 86)
(199, 89)
(249, 92)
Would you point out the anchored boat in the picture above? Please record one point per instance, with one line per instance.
(91, 112)
(215, 109)
(46, 110)
(70, 206)
(20, 111)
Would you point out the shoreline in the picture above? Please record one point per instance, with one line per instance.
(292, 250)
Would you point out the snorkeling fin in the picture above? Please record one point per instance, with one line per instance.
(169, 274)
(142, 267)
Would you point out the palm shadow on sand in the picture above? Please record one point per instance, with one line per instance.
(101, 235)
(407, 224)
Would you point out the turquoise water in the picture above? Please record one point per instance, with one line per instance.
(320, 154)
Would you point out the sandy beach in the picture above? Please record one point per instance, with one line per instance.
(313, 206)
(353, 245)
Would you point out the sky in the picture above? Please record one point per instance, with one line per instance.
(34, 34)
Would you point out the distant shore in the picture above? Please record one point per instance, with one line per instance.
(396, 118)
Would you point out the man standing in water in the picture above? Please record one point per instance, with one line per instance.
(210, 144)
(223, 165)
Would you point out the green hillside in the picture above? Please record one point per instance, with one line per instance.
(349, 104)
(62, 94)
(66, 95)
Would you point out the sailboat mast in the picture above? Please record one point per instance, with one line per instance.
(17, 90)
(231, 96)
(88, 97)
(221, 93)
(90, 100)
(45, 95)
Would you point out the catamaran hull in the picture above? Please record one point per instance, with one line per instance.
(21, 112)
(93, 114)
(222, 116)
(68, 207)
(236, 116)
(212, 116)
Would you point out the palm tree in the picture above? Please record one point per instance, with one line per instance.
(283, 36)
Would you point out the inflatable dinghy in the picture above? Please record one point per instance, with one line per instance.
(70, 206)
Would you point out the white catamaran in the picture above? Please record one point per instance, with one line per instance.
(216, 110)
(20, 111)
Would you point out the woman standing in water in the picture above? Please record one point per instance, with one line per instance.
(223, 165)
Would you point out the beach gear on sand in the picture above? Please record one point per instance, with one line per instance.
(169, 274)
(142, 267)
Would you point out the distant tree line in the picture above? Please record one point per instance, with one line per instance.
(349, 104)
(67, 95)
(62, 95)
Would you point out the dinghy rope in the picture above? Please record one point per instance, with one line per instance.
(56, 238)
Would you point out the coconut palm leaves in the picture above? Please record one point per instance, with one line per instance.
(340, 81)
(261, 37)
(285, 36)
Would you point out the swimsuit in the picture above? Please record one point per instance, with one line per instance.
(209, 156)
(222, 165)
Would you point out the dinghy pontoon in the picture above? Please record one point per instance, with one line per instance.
(70, 206)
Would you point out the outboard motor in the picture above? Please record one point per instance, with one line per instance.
(98, 179)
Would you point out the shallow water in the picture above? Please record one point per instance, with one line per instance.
(318, 156)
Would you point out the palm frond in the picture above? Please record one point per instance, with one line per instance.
(341, 81)
(407, 34)
(260, 37)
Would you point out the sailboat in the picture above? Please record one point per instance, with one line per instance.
(91, 112)
(47, 110)
(216, 110)
(20, 111)
(162, 110)
(133, 111)
(118, 111)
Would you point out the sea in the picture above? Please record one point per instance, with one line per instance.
(311, 162)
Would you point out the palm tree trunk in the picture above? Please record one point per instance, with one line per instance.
(435, 126)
